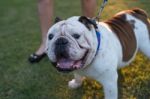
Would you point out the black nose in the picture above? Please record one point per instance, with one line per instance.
(61, 41)
(61, 48)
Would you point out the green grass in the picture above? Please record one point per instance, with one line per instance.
(20, 36)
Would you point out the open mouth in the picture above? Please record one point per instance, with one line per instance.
(67, 64)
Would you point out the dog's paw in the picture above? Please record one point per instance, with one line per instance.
(73, 84)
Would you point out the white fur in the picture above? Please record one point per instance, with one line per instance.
(109, 58)
(76, 82)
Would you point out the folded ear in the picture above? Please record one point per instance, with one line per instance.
(87, 22)
(57, 19)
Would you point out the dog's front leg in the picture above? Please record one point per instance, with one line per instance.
(109, 82)
(76, 82)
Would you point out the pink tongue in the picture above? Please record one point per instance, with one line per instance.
(65, 63)
(77, 64)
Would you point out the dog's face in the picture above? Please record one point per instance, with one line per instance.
(69, 43)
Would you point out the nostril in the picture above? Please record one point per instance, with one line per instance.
(64, 41)
(61, 41)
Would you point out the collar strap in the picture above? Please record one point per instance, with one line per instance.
(98, 34)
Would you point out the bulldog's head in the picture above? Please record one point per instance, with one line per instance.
(71, 44)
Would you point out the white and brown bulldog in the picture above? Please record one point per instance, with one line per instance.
(98, 49)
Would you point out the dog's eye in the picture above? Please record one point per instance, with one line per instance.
(76, 36)
(50, 36)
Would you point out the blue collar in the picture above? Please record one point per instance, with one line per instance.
(98, 34)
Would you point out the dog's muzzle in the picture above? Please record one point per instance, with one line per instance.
(64, 63)
(61, 52)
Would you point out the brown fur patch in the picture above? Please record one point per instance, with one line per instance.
(124, 31)
(141, 15)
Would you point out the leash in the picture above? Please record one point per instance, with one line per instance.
(97, 18)
(100, 10)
